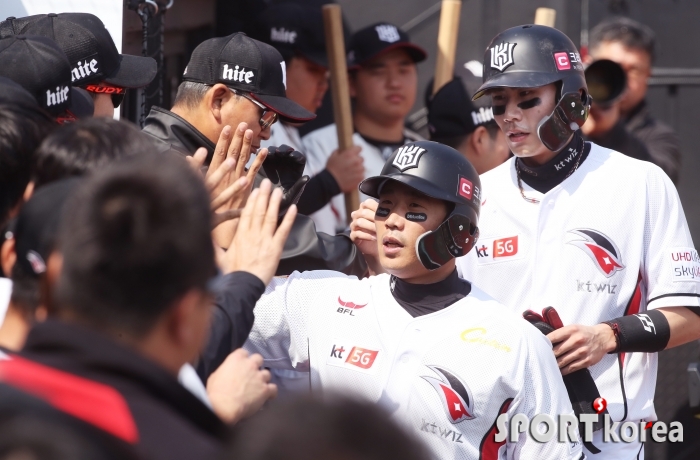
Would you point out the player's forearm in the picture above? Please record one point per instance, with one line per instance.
(684, 324)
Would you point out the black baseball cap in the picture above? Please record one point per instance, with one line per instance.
(13, 92)
(247, 65)
(370, 42)
(41, 68)
(294, 28)
(37, 224)
(451, 112)
(90, 49)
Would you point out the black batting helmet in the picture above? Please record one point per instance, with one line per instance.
(530, 56)
(439, 172)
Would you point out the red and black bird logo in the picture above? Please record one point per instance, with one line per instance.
(600, 249)
(455, 395)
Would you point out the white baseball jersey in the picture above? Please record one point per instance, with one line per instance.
(318, 146)
(611, 240)
(447, 375)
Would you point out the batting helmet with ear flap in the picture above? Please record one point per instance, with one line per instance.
(531, 56)
(439, 172)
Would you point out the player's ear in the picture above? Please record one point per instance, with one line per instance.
(215, 98)
(480, 141)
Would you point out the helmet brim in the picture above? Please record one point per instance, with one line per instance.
(516, 79)
(372, 186)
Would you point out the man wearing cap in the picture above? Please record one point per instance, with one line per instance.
(383, 83)
(296, 31)
(238, 81)
(95, 63)
(41, 67)
(469, 127)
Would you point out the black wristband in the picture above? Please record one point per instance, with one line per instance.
(645, 332)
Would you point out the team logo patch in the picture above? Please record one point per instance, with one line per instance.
(348, 308)
(455, 395)
(466, 188)
(87, 68)
(352, 357)
(502, 56)
(387, 33)
(407, 157)
(283, 35)
(562, 61)
(602, 251)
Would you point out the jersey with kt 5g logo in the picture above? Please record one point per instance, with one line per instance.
(610, 240)
(447, 375)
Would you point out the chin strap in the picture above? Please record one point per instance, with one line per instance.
(568, 116)
(453, 238)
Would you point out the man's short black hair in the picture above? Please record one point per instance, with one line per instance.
(22, 128)
(85, 146)
(629, 32)
(134, 239)
(457, 141)
(335, 428)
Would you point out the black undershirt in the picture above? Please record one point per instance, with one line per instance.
(384, 147)
(544, 178)
(423, 299)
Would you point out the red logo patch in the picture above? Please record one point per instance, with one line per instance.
(362, 357)
(562, 60)
(465, 188)
(352, 305)
(505, 247)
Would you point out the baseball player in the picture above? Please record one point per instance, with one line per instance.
(430, 348)
(598, 235)
(383, 84)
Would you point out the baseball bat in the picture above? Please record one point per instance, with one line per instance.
(545, 16)
(447, 43)
(335, 47)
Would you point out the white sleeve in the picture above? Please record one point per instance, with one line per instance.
(279, 332)
(542, 392)
(671, 267)
(315, 148)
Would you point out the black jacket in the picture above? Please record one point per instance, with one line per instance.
(621, 140)
(171, 423)
(306, 249)
(660, 139)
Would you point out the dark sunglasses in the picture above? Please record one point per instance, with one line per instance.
(116, 92)
(267, 118)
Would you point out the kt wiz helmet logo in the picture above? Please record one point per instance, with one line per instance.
(600, 249)
(455, 395)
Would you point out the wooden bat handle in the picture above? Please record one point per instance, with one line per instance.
(447, 43)
(545, 16)
(335, 47)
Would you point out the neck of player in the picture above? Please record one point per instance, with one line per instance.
(387, 130)
(422, 299)
(546, 155)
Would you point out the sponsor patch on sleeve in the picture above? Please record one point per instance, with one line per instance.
(685, 263)
(502, 249)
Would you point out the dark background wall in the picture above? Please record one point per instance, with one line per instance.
(674, 21)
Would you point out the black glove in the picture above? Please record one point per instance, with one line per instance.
(284, 166)
(580, 385)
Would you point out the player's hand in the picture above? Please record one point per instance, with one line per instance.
(239, 388)
(257, 245)
(363, 234)
(236, 147)
(347, 168)
(213, 180)
(579, 347)
(362, 229)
